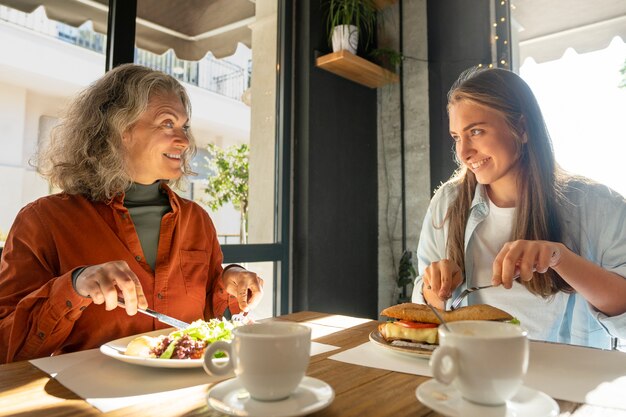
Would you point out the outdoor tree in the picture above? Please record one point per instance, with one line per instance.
(228, 181)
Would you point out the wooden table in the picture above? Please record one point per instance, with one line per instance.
(27, 391)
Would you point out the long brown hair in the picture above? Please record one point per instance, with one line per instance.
(540, 181)
(85, 154)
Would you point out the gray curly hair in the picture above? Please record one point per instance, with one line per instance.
(85, 154)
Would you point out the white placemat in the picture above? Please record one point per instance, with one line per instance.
(109, 384)
(565, 372)
(370, 355)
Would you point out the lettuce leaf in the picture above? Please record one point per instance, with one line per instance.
(207, 331)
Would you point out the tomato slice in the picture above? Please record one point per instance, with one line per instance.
(415, 324)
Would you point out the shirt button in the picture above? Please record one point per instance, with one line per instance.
(138, 258)
(123, 216)
(41, 335)
(160, 296)
(68, 303)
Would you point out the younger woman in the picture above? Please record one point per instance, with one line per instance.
(552, 244)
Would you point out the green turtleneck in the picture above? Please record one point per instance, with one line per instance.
(147, 204)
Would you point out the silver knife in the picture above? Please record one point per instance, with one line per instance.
(434, 310)
(159, 316)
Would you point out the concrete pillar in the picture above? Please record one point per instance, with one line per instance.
(263, 120)
(263, 142)
(416, 139)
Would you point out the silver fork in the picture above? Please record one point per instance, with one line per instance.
(455, 303)
(464, 293)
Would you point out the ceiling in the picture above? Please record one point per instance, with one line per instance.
(544, 29)
(192, 28)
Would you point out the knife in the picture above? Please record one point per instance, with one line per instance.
(434, 310)
(159, 316)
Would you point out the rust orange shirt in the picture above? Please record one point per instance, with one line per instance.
(40, 312)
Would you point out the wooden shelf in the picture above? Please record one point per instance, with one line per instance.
(356, 69)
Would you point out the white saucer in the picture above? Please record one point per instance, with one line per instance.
(447, 400)
(312, 395)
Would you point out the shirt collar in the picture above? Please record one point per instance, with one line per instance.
(481, 198)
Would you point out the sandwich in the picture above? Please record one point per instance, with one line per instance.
(416, 323)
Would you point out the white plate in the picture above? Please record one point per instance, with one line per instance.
(447, 401)
(378, 340)
(312, 395)
(115, 350)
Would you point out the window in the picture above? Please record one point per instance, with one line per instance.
(571, 55)
(225, 53)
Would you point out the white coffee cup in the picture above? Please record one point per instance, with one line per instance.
(269, 359)
(486, 361)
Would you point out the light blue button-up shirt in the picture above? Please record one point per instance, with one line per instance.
(594, 227)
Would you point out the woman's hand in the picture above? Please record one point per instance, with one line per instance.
(523, 257)
(105, 281)
(246, 285)
(439, 280)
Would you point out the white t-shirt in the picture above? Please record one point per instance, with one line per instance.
(532, 311)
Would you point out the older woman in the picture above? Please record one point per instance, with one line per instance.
(116, 229)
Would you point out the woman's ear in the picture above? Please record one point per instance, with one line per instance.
(524, 137)
(522, 129)
(127, 136)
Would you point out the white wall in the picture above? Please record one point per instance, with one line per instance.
(20, 111)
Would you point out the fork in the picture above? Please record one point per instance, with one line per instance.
(464, 293)
(554, 259)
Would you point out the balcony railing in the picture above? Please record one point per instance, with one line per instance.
(229, 239)
(209, 73)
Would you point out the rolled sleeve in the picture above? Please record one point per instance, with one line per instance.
(615, 325)
(432, 242)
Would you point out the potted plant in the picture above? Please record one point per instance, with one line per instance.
(406, 276)
(387, 58)
(346, 18)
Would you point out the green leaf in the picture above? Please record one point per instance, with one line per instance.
(228, 181)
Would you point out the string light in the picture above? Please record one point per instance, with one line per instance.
(500, 37)
(503, 52)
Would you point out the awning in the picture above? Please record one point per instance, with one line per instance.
(192, 28)
(544, 29)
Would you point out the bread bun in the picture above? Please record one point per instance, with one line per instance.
(142, 346)
(423, 314)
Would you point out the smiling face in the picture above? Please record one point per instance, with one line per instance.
(486, 145)
(155, 143)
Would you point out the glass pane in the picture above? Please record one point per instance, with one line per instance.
(233, 99)
(43, 64)
(575, 69)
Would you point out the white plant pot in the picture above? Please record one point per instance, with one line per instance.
(345, 37)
